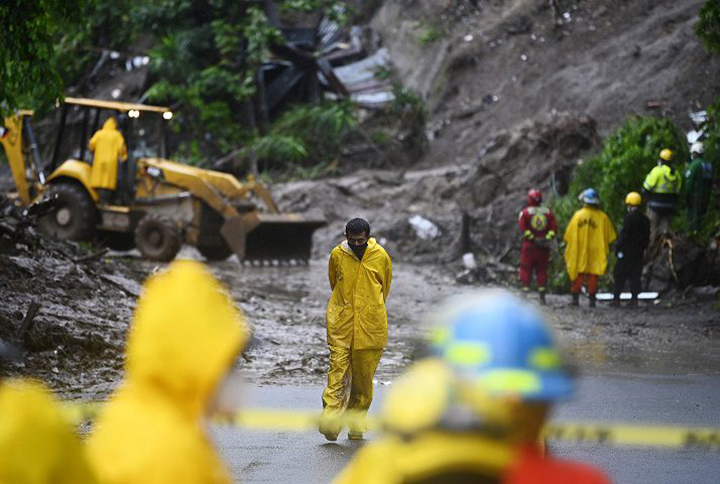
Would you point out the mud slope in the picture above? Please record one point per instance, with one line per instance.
(493, 66)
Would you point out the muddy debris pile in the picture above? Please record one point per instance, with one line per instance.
(683, 268)
(436, 214)
(67, 306)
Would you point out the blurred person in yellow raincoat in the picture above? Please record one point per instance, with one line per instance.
(473, 411)
(37, 445)
(360, 273)
(181, 347)
(588, 237)
(107, 145)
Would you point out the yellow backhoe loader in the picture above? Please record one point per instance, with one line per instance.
(159, 204)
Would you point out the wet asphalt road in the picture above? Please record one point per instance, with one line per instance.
(285, 457)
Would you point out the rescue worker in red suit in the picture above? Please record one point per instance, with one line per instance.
(538, 227)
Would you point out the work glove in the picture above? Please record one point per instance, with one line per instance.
(528, 235)
(550, 235)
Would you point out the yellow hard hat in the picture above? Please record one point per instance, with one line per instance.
(633, 198)
(667, 154)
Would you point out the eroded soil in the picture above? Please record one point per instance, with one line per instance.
(77, 340)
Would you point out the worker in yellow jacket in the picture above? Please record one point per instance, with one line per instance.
(588, 237)
(182, 346)
(108, 146)
(37, 445)
(474, 410)
(662, 188)
(360, 273)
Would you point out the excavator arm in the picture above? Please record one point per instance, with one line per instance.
(11, 137)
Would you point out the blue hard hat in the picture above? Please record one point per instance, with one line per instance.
(590, 196)
(503, 345)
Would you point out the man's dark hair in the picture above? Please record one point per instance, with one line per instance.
(357, 226)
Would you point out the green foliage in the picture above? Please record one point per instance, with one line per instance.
(708, 27)
(409, 107)
(284, 148)
(205, 61)
(203, 53)
(429, 35)
(382, 73)
(626, 158)
(306, 135)
(379, 138)
(29, 74)
(333, 9)
(711, 153)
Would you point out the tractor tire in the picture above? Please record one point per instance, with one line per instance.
(158, 238)
(215, 252)
(75, 215)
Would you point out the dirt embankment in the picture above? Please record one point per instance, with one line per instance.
(66, 305)
(486, 66)
(491, 191)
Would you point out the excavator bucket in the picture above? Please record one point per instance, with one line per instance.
(266, 237)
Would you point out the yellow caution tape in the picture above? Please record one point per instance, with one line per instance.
(610, 434)
(635, 435)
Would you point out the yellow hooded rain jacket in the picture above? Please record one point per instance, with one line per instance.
(414, 446)
(184, 338)
(108, 145)
(356, 315)
(588, 237)
(37, 446)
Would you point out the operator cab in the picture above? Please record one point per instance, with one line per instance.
(142, 126)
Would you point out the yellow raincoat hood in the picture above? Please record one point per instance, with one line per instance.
(185, 335)
(107, 145)
(37, 446)
(184, 338)
(588, 237)
(110, 124)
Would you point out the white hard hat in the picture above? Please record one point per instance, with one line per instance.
(697, 148)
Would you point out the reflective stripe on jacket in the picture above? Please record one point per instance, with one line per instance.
(663, 179)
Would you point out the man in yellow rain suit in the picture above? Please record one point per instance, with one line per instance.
(360, 273)
(183, 341)
(108, 145)
(474, 410)
(37, 446)
(588, 237)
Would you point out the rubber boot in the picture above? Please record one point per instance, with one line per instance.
(330, 426)
(633, 302)
(541, 296)
(592, 301)
(615, 303)
(355, 435)
(575, 299)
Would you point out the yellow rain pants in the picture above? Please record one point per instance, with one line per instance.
(350, 386)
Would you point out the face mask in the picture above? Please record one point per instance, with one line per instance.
(359, 249)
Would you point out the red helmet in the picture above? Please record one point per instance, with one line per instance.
(534, 197)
